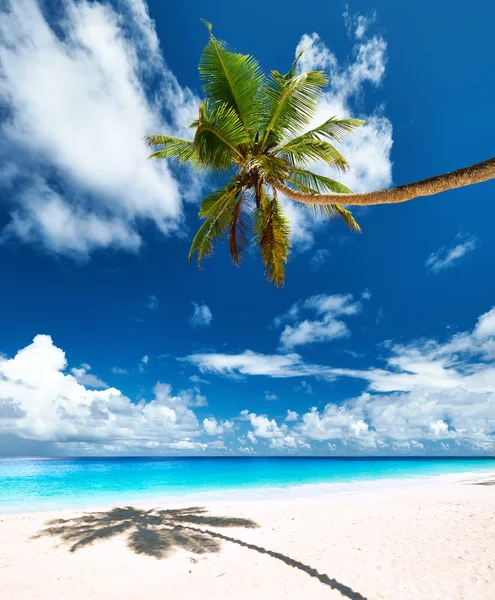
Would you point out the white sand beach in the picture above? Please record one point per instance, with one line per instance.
(430, 541)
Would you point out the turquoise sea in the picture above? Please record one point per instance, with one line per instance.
(43, 484)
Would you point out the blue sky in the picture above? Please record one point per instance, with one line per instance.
(380, 343)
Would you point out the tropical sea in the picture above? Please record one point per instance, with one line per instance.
(46, 484)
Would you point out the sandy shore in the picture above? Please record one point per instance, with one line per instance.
(430, 541)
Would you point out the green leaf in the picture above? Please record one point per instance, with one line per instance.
(216, 209)
(272, 230)
(172, 147)
(314, 184)
(333, 210)
(290, 103)
(209, 26)
(293, 69)
(334, 128)
(239, 230)
(233, 79)
(300, 152)
(219, 135)
(267, 166)
(317, 184)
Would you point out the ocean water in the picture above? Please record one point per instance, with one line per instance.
(43, 484)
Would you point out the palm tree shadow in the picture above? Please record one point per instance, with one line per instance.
(487, 482)
(159, 533)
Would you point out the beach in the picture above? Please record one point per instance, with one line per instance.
(432, 539)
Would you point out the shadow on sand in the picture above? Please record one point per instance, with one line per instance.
(488, 482)
(158, 533)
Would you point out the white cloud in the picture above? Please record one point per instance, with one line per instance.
(119, 371)
(463, 362)
(269, 396)
(292, 415)
(335, 422)
(198, 379)
(427, 393)
(485, 327)
(252, 438)
(193, 397)
(328, 327)
(41, 402)
(214, 427)
(305, 387)
(413, 418)
(202, 315)
(278, 437)
(357, 24)
(320, 257)
(367, 149)
(152, 302)
(266, 428)
(82, 376)
(79, 98)
(255, 363)
(447, 257)
(289, 442)
(143, 362)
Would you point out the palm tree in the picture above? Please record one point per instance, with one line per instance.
(254, 129)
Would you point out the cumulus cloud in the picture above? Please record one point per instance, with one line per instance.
(82, 376)
(214, 427)
(428, 396)
(465, 361)
(44, 403)
(329, 326)
(202, 315)
(289, 442)
(291, 416)
(448, 256)
(270, 396)
(266, 428)
(277, 435)
(367, 149)
(80, 90)
(428, 391)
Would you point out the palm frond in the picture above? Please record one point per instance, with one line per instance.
(216, 209)
(333, 128)
(268, 166)
(239, 230)
(232, 78)
(313, 184)
(293, 69)
(316, 183)
(272, 230)
(301, 152)
(172, 147)
(334, 210)
(218, 136)
(290, 103)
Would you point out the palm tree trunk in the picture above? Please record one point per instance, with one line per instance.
(477, 173)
